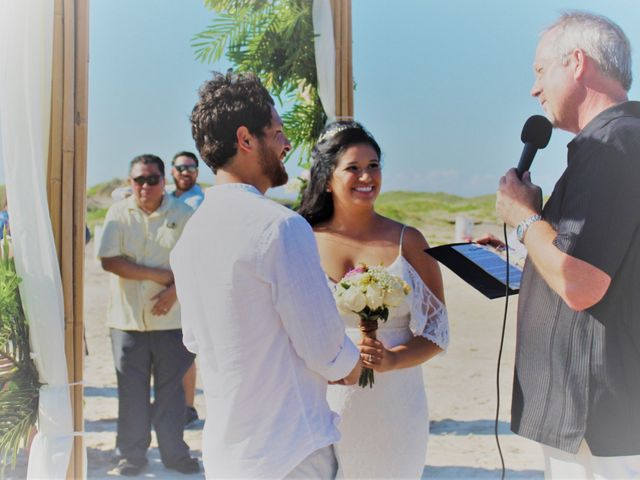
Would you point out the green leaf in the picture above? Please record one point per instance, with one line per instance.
(19, 385)
(274, 40)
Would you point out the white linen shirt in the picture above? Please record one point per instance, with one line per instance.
(258, 312)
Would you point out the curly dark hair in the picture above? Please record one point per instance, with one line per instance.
(226, 103)
(317, 204)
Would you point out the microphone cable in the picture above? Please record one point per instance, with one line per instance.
(504, 326)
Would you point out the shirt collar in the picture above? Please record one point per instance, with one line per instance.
(237, 186)
(172, 189)
(623, 109)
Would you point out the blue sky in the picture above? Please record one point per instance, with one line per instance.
(443, 85)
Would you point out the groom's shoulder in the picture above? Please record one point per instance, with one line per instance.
(275, 210)
(281, 217)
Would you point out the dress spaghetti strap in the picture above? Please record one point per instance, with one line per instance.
(401, 237)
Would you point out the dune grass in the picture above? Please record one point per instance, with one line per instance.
(421, 208)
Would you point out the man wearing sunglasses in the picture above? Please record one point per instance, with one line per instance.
(184, 170)
(185, 173)
(144, 319)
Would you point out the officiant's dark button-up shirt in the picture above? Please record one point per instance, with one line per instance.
(577, 374)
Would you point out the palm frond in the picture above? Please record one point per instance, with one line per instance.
(211, 44)
(19, 384)
(303, 124)
(18, 408)
(273, 39)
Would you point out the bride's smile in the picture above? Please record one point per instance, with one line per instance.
(357, 175)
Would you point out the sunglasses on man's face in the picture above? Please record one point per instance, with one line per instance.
(149, 180)
(188, 168)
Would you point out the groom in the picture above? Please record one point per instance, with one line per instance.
(256, 307)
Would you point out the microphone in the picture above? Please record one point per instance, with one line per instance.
(536, 133)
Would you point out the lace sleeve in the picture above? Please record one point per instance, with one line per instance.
(428, 313)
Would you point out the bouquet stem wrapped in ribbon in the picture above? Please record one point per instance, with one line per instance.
(368, 328)
(369, 292)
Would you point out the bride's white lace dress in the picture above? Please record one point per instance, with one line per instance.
(385, 428)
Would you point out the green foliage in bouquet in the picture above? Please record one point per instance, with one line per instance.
(19, 385)
(273, 39)
(379, 314)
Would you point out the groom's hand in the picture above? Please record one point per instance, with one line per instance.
(353, 376)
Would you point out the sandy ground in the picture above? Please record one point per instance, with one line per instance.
(461, 387)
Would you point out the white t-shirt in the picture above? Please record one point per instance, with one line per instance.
(257, 310)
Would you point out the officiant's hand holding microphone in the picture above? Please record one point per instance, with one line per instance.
(518, 201)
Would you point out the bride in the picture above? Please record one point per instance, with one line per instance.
(384, 428)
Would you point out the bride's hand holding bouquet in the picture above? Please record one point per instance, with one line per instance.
(376, 356)
(369, 293)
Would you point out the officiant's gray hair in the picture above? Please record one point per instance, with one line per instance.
(600, 38)
(317, 204)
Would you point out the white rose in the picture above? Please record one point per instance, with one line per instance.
(342, 309)
(375, 296)
(394, 297)
(353, 299)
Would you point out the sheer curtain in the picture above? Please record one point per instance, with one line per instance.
(325, 56)
(26, 42)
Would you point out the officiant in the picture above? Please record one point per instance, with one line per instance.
(576, 385)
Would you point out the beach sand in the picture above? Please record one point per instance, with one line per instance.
(461, 388)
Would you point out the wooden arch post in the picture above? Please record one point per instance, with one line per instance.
(341, 10)
(66, 187)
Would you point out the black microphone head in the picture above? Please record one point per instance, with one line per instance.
(536, 131)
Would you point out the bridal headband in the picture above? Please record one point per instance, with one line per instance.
(337, 128)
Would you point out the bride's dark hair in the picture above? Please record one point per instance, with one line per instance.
(317, 204)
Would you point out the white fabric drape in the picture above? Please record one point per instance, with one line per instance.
(26, 43)
(324, 45)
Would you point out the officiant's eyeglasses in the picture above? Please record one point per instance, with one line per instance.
(188, 168)
(149, 180)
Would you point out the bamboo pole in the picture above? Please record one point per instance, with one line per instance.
(341, 10)
(66, 201)
(336, 11)
(80, 117)
(54, 164)
(66, 182)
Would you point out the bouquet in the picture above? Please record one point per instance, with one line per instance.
(369, 292)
